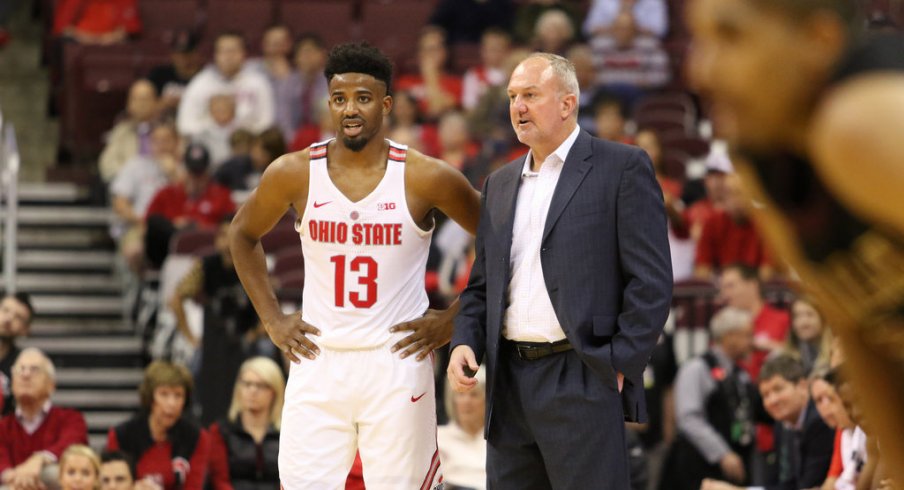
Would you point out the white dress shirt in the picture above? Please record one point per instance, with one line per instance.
(530, 316)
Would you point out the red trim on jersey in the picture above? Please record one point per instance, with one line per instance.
(434, 466)
(397, 154)
(318, 152)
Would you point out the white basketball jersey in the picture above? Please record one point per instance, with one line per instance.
(364, 261)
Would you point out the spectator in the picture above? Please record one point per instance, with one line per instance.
(627, 63)
(658, 434)
(650, 17)
(170, 80)
(33, 439)
(170, 449)
(276, 66)
(216, 136)
(466, 21)
(117, 472)
(609, 117)
(244, 174)
(309, 87)
(131, 136)
(79, 468)
(849, 453)
(531, 10)
(553, 33)
(231, 328)
(245, 444)
(729, 236)
(715, 406)
(494, 47)
(240, 142)
(718, 166)
(462, 448)
(228, 75)
(804, 441)
(102, 22)
(581, 57)
(456, 147)
(16, 313)
(136, 185)
(407, 126)
(739, 286)
(809, 339)
(197, 201)
(309, 134)
(435, 90)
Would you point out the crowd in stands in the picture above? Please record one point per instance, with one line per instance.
(765, 405)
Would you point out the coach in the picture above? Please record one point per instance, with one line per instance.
(568, 294)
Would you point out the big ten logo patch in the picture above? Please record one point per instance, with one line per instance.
(386, 206)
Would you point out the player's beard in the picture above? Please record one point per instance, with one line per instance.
(356, 143)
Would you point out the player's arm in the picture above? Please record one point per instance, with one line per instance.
(856, 141)
(283, 184)
(436, 184)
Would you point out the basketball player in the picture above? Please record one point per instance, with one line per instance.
(816, 109)
(365, 219)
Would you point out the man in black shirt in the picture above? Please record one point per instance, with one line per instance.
(15, 319)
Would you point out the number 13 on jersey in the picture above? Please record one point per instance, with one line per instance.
(367, 269)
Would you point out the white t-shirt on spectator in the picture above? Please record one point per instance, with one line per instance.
(254, 109)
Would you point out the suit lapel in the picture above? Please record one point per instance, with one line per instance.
(574, 170)
(510, 182)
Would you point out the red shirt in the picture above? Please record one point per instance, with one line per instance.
(61, 428)
(414, 84)
(699, 212)
(725, 241)
(773, 324)
(97, 16)
(837, 466)
(206, 210)
(157, 462)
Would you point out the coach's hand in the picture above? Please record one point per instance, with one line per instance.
(289, 334)
(462, 368)
(431, 331)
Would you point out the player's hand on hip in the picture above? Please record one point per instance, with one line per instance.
(462, 368)
(431, 331)
(290, 334)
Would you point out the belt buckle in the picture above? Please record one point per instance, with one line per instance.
(528, 352)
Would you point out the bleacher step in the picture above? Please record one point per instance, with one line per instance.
(100, 422)
(65, 260)
(85, 327)
(78, 216)
(85, 400)
(50, 193)
(75, 284)
(63, 305)
(62, 238)
(110, 377)
(100, 346)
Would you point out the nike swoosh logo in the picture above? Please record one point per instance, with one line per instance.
(415, 399)
(319, 204)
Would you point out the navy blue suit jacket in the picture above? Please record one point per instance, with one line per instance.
(605, 258)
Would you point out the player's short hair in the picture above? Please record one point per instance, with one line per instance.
(359, 58)
(846, 10)
(784, 365)
(164, 373)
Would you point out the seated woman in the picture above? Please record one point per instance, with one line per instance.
(79, 468)
(245, 445)
(169, 448)
(462, 448)
(809, 339)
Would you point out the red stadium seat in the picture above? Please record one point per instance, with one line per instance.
(279, 239)
(192, 242)
(674, 164)
(288, 260)
(665, 121)
(394, 26)
(694, 147)
(162, 18)
(248, 17)
(332, 20)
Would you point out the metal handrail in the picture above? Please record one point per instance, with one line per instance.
(9, 178)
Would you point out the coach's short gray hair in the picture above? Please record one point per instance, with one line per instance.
(727, 320)
(563, 69)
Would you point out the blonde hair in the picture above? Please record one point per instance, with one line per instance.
(267, 369)
(792, 343)
(85, 451)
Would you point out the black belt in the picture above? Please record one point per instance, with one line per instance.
(531, 351)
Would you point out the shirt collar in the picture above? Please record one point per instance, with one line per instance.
(561, 152)
(45, 409)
